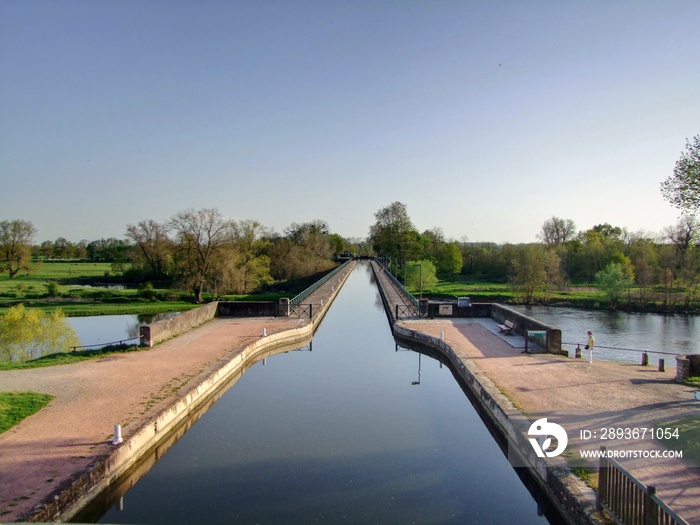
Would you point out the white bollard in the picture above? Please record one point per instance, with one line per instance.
(442, 336)
(264, 332)
(321, 302)
(117, 435)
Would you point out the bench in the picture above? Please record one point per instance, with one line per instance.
(506, 327)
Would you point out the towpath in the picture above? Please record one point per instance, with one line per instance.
(581, 396)
(41, 454)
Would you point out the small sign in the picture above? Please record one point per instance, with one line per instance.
(445, 309)
(464, 302)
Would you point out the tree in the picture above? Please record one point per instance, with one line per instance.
(528, 270)
(682, 189)
(154, 245)
(200, 235)
(252, 265)
(449, 259)
(613, 281)
(28, 333)
(393, 233)
(420, 275)
(556, 231)
(15, 246)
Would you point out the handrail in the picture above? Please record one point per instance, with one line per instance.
(297, 300)
(74, 348)
(624, 349)
(400, 287)
(628, 499)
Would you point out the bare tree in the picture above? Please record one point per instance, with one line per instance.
(153, 243)
(556, 231)
(200, 235)
(15, 246)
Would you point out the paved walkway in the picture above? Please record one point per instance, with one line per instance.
(582, 396)
(45, 450)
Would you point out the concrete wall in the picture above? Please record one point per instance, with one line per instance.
(522, 322)
(247, 309)
(160, 331)
(571, 496)
(450, 309)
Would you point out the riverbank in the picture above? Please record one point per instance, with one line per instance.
(517, 388)
(53, 462)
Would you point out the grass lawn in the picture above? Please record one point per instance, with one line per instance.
(66, 358)
(688, 439)
(77, 295)
(15, 406)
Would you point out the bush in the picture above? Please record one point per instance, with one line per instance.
(147, 292)
(27, 333)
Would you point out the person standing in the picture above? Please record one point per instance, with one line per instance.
(590, 345)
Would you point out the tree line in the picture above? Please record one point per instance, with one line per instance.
(198, 250)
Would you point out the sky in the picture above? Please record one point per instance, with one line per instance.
(485, 118)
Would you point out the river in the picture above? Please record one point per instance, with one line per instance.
(655, 333)
(350, 430)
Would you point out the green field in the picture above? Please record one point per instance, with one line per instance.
(81, 288)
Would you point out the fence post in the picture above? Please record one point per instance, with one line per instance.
(397, 311)
(602, 480)
(651, 509)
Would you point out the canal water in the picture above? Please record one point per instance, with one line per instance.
(622, 336)
(352, 429)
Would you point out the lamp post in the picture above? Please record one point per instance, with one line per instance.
(420, 268)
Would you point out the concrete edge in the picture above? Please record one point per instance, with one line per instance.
(571, 496)
(81, 488)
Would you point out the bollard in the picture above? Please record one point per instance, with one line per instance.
(645, 359)
(662, 368)
(117, 435)
(442, 336)
(578, 352)
(321, 302)
(264, 334)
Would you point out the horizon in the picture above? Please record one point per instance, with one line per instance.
(484, 119)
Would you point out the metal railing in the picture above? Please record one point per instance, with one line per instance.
(408, 296)
(100, 345)
(628, 500)
(296, 301)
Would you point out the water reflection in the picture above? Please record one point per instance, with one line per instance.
(340, 434)
(100, 330)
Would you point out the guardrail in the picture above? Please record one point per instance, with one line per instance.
(628, 500)
(408, 296)
(296, 301)
(100, 345)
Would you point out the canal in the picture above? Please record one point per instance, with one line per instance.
(351, 429)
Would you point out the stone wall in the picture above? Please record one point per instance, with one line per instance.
(160, 331)
(687, 366)
(247, 309)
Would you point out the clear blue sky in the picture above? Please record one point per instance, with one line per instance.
(484, 118)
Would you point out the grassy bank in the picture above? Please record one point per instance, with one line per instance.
(578, 296)
(15, 406)
(68, 358)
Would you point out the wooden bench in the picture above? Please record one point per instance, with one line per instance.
(506, 327)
